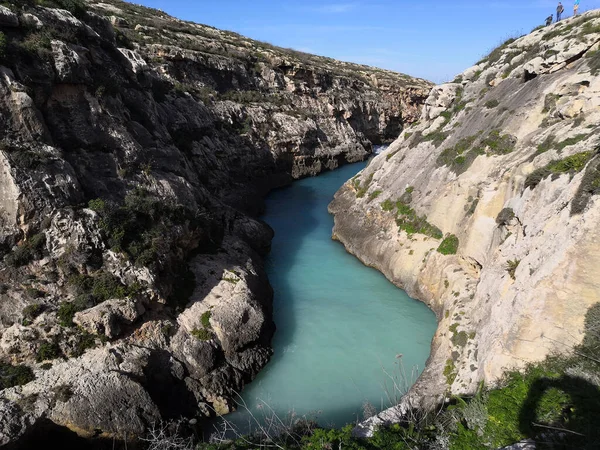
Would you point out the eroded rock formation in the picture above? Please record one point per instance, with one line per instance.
(134, 147)
(487, 210)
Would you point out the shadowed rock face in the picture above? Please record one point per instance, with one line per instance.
(134, 149)
(506, 160)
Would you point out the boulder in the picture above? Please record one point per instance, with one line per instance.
(8, 18)
(109, 317)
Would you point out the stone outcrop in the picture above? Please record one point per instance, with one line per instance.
(487, 210)
(134, 148)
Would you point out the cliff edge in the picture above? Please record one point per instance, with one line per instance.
(487, 209)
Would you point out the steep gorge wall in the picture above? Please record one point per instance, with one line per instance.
(487, 210)
(135, 148)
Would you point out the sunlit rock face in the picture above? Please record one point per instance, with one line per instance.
(487, 210)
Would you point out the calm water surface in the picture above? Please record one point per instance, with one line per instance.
(341, 326)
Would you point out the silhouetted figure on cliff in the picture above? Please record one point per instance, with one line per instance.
(549, 19)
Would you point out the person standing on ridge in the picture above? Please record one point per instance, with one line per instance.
(559, 11)
(549, 19)
(576, 7)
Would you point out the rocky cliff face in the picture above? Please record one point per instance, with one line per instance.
(134, 146)
(487, 210)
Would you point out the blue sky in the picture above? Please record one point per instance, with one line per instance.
(430, 39)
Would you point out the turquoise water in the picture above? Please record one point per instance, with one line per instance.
(340, 325)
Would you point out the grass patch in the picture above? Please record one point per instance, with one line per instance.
(362, 190)
(387, 205)
(459, 157)
(450, 372)
(373, 195)
(491, 104)
(436, 137)
(570, 141)
(449, 245)
(205, 319)
(30, 312)
(511, 267)
(558, 31)
(499, 144)
(202, 334)
(571, 164)
(408, 221)
(392, 154)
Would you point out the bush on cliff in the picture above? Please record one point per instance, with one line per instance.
(14, 375)
(32, 249)
(143, 226)
(449, 245)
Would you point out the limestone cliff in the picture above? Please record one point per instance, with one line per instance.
(487, 209)
(134, 146)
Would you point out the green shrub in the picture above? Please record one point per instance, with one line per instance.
(511, 267)
(14, 375)
(32, 249)
(387, 205)
(505, 216)
(66, 310)
(202, 333)
(498, 52)
(205, 319)
(373, 195)
(570, 141)
(362, 190)
(142, 227)
(84, 341)
(546, 145)
(47, 351)
(449, 245)
(100, 287)
(491, 104)
(392, 154)
(450, 371)
(436, 137)
(30, 312)
(75, 7)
